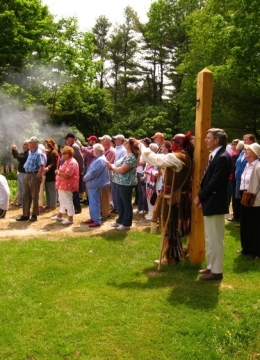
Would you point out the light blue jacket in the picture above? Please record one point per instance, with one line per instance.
(97, 175)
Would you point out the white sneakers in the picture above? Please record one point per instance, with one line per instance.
(67, 222)
(115, 224)
(119, 226)
(64, 222)
(56, 218)
(149, 218)
(122, 227)
(136, 211)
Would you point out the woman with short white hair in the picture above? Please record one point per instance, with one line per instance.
(97, 177)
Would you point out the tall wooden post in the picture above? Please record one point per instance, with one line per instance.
(201, 156)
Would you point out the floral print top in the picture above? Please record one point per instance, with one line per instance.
(130, 177)
(69, 167)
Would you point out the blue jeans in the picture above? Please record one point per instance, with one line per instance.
(124, 198)
(114, 194)
(94, 204)
(20, 187)
(142, 200)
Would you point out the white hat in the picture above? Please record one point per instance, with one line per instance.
(254, 147)
(105, 137)
(119, 136)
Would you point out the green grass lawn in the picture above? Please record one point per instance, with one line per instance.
(101, 297)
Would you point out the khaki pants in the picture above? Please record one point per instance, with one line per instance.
(104, 201)
(31, 188)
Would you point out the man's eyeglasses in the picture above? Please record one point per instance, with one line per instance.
(64, 153)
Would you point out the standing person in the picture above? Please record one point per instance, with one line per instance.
(42, 186)
(70, 141)
(21, 158)
(4, 196)
(213, 198)
(159, 140)
(149, 178)
(96, 178)
(125, 178)
(120, 152)
(67, 182)
(236, 148)
(250, 216)
(88, 157)
(241, 163)
(34, 168)
(105, 194)
(51, 166)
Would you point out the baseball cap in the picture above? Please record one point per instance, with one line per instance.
(158, 134)
(107, 137)
(69, 135)
(92, 137)
(119, 136)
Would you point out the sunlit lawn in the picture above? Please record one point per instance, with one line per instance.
(101, 297)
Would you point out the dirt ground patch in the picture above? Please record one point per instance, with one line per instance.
(45, 227)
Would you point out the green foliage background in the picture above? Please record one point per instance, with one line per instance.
(133, 78)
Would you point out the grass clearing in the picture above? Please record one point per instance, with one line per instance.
(101, 297)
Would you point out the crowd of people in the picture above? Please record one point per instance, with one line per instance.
(105, 173)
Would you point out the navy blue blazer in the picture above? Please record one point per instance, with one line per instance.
(213, 194)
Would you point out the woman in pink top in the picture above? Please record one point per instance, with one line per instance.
(67, 181)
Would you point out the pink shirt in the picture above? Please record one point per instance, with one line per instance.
(71, 168)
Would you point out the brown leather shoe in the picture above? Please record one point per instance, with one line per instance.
(212, 276)
(94, 225)
(204, 271)
(89, 221)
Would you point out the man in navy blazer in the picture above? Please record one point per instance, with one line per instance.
(213, 199)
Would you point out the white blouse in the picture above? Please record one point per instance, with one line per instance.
(246, 175)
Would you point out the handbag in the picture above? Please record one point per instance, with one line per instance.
(248, 199)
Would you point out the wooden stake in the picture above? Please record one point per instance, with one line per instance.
(196, 238)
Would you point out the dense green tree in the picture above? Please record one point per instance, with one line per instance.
(101, 33)
(24, 26)
(224, 36)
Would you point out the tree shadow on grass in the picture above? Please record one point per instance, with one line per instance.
(244, 265)
(187, 289)
(233, 231)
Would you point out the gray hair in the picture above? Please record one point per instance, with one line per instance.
(240, 145)
(219, 134)
(154, 147)
(99, 148)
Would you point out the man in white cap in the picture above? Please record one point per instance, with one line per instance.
(34, 168)
(120, 152)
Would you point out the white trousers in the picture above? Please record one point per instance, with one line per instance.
(214, 239)
(66, 202)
